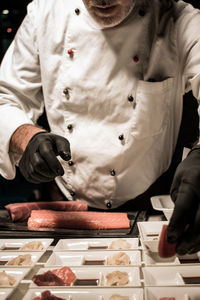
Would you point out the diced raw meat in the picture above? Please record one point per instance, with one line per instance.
(164, 248)
(78, 220)
(65, 274)
(58, 277)
(47, 278)
(22, 211)
(46, 295)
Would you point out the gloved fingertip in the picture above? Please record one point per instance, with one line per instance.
(171, 235)
(60, 172)
(171, 239)
(181, 251)
(192, 251)
(65, 155)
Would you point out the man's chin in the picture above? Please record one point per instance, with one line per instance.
(107, 22)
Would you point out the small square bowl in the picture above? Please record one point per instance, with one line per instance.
(19, 244)
(6, 257)
(179, 293)
(150, 234)
(17, 273)
(163, 203)
(171, 276)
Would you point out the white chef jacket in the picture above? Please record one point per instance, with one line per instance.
(115, 94)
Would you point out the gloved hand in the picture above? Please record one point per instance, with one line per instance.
(39, 162)
(184, 226)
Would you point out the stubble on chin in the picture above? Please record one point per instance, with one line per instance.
(111, 21)
(106, 21)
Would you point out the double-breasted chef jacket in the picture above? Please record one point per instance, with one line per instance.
(115, 94)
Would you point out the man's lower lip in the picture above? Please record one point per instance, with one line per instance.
(105, 11)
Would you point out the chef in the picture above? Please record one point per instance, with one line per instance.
(111, 76)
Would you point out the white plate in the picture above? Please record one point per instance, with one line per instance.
(17, 273)
(179, 293)
(91, 258)
(163, 203)
(97, 274)
(17, 244)
(5, 292)
(93, 244)
(8, 256)
(89, 294)
(150, 234)
(169, 276)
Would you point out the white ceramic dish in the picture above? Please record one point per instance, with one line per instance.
(93, 244)
(5, 257)
(91, 258)
(5, 293)
(153, 259)
(170, 276)
(163, 203)
(89, 294)
(179, 293)
(17, 244)
(150, 233)
(17, 273)
(92, 275)
(189, 259)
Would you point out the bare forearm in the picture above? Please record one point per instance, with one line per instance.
(22, 136)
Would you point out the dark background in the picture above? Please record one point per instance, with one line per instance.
(12, 13)
(17, 190)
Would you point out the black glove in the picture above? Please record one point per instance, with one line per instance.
(39, 162)
(184, 225)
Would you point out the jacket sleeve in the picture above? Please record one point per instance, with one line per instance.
(188, 36)
(21, 98)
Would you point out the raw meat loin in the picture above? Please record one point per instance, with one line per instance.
(164, 248)
(58, 277)
(46, 295)
(78, 220)
(22, 211)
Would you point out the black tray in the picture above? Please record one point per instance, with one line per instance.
(19, 229)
